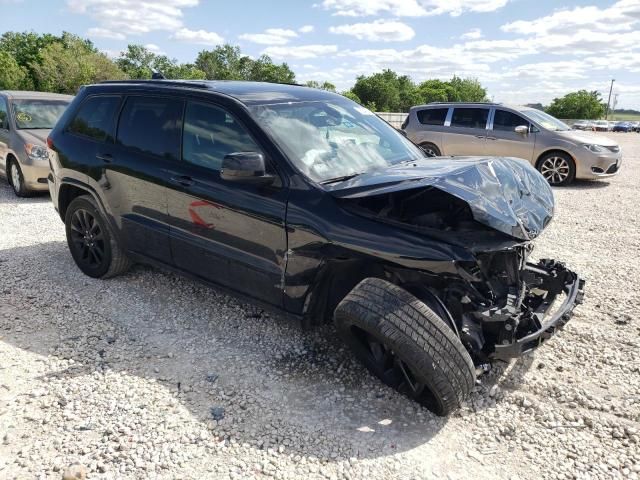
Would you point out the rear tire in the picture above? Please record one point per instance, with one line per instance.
(430, 149)
(16, 179)
(406, 345)
(91, 242)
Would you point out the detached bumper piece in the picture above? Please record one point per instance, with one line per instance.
(533, 321)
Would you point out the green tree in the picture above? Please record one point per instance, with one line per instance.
(382, 90)
(330, 87)
(139, 62)
(581, 104)
(227, 62)
(467, 90)
(66, 65)
(12, 75)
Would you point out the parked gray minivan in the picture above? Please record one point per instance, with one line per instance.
(26, 118)
(493, 129)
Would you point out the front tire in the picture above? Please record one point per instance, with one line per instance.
(557, 168)
(16, 179)
(91, 242)
(406, 345)
(430, 149)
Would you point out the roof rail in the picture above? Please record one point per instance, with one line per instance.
(468, 103)
(174, 83)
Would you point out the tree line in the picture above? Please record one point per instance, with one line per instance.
(61, 64)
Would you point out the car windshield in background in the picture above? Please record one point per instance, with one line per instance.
(38, 114)
(546, 120)
(331, 141)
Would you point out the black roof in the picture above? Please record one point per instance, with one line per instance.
(249, 93)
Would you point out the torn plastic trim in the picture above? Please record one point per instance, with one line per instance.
(506, 194)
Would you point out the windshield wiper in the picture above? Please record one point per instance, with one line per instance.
(340, 179)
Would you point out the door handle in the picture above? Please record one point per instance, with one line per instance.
(183, 180)
(491, 138)
(105, 157)
(481, 136)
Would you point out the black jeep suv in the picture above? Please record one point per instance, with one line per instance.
(304, 201)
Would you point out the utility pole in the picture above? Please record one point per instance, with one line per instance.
(606, 112)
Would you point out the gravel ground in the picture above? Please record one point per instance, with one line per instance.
(150, 375)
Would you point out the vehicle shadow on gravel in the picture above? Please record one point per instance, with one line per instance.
(586, 185)
(242, 373)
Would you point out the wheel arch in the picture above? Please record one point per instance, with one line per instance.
(554, 150)
(7, 161)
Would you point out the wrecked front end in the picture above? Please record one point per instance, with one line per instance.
(501, 304)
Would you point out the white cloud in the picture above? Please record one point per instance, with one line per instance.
(152, 47)
(97, 32)
(133, 17)
(473, 34)
(378, 31)
(198, 37)
(271, 36)
(301, 51)
(410, 8)
(306, 29)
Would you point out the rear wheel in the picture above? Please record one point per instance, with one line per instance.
(91, 243)
(557, 168)
(16, 179)
(406, 345)
(430, 149)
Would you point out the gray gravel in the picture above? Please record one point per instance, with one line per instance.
(150, 375)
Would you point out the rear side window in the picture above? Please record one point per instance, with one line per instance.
(151, 125)
(432, 116)
(507, 121)
(210, 133)
(94, 119)
(4, 116)
(470, 117)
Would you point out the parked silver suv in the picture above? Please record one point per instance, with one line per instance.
(26, 118)
(490, 129)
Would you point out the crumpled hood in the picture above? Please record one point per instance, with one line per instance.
(37, 136)
(506, 194)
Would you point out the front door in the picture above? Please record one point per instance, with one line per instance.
(503, 141)
(467, 133)
(229, 233)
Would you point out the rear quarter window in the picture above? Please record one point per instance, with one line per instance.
(95, 117)
(432, 116)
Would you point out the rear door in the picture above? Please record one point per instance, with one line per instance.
(229, 233)
(136, 171)
(4, 133)
(502, 139)
(467, 132)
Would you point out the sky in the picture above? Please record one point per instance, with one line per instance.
(523, 51)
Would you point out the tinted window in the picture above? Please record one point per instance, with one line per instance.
(95, 118)
(470, 117)
(4, 119)
(432, 116)
(507, 121)
(151, 125)
(210, 133)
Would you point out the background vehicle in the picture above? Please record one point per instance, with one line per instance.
(602, 126)
(308, 203)
(559, 153)
(26, 118)
(622, 127)
(582, 125)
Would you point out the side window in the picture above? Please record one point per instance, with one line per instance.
(210, 133)
(470, 117)
(94, 119)
(432, 116)
(4, 116)
(507, 121)
(151, 125)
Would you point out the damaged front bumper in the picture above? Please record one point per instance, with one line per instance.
(530, 319)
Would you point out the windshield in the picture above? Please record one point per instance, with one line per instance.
(38, 114)
(328, 141)
(546, 121)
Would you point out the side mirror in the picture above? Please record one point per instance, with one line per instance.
(522, 129)
(245, 167)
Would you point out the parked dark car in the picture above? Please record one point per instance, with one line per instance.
(308, 203)
(622, 127)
